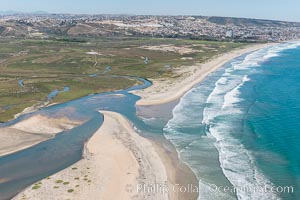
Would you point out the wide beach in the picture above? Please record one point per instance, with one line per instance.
(139, 160)
(117, 164)
(164, 91)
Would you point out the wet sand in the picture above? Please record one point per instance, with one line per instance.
(117, 160)
(116, 163)
(32, 131)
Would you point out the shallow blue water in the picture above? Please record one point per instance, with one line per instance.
(21, 83)
(239, 128)
(54, 93)
(23, 168)
(236, 128)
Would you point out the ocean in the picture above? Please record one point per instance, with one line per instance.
(238, 129)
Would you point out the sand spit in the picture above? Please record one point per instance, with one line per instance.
(116, 162)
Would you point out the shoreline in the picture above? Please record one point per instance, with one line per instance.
(182, 174)
(161, 92)
(175, 92)
(116, 162)
(207, 67)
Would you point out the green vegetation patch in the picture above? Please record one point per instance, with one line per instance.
(70, 190)
(86, 66)
(59, 181)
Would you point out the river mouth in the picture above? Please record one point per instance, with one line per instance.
(23, 168)
(28, 166)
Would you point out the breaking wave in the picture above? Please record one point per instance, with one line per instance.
(212, 113)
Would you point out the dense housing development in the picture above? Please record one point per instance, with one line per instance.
(194, 27)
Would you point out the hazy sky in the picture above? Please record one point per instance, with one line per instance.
(267, 9)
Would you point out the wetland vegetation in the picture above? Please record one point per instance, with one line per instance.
(30, 69)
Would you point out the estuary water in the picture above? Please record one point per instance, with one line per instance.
(237, 129)
(23, 168)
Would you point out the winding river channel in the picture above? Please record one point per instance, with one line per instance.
(23, 168)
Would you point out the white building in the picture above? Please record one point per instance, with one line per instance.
(229, 34)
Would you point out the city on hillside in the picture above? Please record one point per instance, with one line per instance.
(43, 25)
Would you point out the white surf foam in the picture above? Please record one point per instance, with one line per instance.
(236, 162)
(231, 98)
(222, 116)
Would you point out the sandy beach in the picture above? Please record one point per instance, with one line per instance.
(32, 131)
(116, 163)
(164, 91)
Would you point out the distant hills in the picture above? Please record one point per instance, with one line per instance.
(250, 22)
